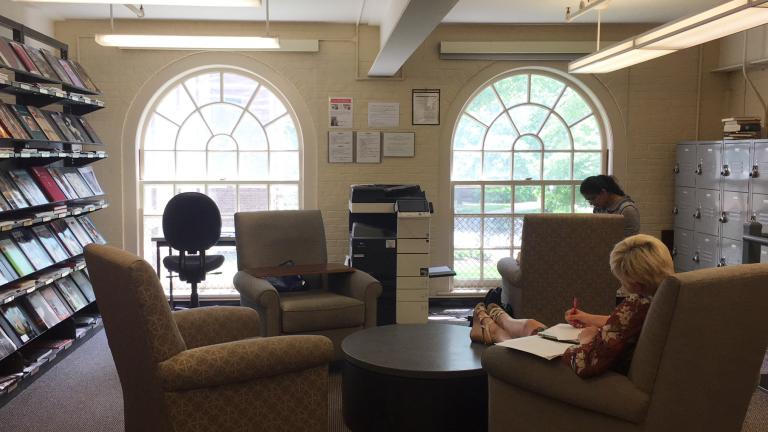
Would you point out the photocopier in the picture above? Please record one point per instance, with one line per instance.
(389, 239)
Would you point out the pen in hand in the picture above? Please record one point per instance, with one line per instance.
(576, 323)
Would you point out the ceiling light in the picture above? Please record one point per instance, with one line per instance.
(217, 3)
(174, 42)
(723, 20)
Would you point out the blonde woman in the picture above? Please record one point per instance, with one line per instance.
(641, 263)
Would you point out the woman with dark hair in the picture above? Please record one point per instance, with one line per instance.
(606, 196)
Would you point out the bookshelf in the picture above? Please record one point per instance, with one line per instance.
(47, 307)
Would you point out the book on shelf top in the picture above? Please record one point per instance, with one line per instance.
(32, 248)
(8, 56)
(53, 61)
(42, 65)
(74, 78)
(26, 61)
(22, 325)
(28, 187)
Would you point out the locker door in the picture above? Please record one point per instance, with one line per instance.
(760, 210)
(706, 254)
(685, 207)
(764, 254)
(709, 166)
(760, 167)
(685, 167)
(706, 216)
(734, 214)
(736, 167)
(730, 252)
(683, 250)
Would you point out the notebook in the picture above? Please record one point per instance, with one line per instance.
(562, 333)
(544, 348)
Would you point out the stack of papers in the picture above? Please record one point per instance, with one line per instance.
(549, 344)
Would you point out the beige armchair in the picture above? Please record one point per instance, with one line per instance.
(695, 366)
(562, 256)
(203, 369)
(334, 306)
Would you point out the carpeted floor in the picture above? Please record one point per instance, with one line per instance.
(82, 394)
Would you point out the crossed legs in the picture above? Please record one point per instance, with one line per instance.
(492, 324)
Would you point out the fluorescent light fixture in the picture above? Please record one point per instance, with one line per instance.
(175, 42)
(217, 3)
(722, 20)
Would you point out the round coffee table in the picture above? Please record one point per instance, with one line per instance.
(417, 377)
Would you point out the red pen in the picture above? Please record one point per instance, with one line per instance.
(575, 304)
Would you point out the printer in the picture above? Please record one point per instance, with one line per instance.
(389, 239)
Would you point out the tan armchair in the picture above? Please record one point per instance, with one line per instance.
(695, 366)
(562, 256)
(203, 369)
(334, 306)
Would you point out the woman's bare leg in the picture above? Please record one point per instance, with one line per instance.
(513, 327)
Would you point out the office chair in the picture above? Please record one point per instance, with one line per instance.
(192, 224)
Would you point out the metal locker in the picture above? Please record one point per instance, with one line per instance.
(736, 167)
(707, 214)
(764, 254)
(730, 252)
(683, 250)
(708, 165)
(760, 209)
(735, 212)
(759, 168)
(685, 167)
(706, 253)
(685, 207)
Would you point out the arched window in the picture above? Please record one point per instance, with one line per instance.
(522, 144)
(224, 133)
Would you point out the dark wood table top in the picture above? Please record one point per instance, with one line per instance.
(304, 270)
(415, 350)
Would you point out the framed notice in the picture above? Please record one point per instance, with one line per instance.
(340, 147)
(368, 147)
(399, 144)
(426, 107)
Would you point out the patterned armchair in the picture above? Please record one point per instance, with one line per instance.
(562, 256)
(335, 306)
(203, 369)
(690, 371)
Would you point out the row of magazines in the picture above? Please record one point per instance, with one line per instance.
(41, 62)
(40, 185)
(31, 123)
(25, 251)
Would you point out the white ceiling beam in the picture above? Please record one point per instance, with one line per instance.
(406, 24)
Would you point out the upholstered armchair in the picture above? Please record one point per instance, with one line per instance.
(695, 366)
(562, 256)
(335, 305)
(203, 369)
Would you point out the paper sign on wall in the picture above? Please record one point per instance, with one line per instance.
(340, 112)
(383, 114)
(399, 144)
(368, 147)
(340, 147)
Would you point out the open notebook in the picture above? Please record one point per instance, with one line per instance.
(548, 344)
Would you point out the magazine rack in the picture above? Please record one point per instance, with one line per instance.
(58, 279)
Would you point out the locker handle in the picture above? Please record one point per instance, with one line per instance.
(755, 173)
(698, 169)
(723, 217)
(696, 257)
(722, 263)
(674, 251)
(697, 214)
(676, 169)
(726, 171)
(675, 210)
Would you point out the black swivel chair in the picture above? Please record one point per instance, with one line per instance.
(192, 224)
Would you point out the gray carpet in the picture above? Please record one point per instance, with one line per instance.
(82, 394)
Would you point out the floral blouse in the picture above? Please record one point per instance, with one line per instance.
(613, 345)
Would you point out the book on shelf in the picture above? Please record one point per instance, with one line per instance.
(36, 356)
(7, 272)
(80, 234)
(32, 248)
(76, 180)
(74, 125)
(71, 293)
(40, 63)
(58, 306)
(747, 119)
(8, 56)
(5, 134)
(84, 77)
(24, 327)
(67, 238)
(52, 344)
(8, 383)
(15, 257)
(7, 346)
(89, 129)
(45, 124)
(50, 242)
(28, 122)
(90, 227)
(11, 124)
(84, 284)
(28, 187)
(58, 120)
(68, 68)
(13, 196)
(81, 331)
(22, 55)
(62, 183)
(85, 320)
(90, 179)
(39, 310)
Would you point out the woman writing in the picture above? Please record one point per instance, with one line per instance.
(605, 195)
